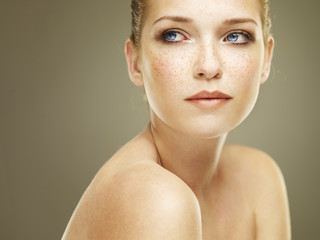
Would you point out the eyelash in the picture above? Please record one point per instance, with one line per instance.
(248, 36)
(176, 31)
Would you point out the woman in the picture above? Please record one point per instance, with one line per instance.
(201, 63)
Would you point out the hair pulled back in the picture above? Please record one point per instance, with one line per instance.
(266, 19)
(138, 12)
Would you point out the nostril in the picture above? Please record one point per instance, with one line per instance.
(209, 76)
(208, 67)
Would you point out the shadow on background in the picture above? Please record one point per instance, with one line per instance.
(66, 105)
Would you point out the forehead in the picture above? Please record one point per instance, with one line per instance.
(204, 10)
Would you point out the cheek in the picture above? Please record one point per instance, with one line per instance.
(168, 68)
(245, 69)
(165, 75)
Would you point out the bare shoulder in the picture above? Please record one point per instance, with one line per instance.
(252, 160)
(247, 152)
(140, 200)
(265, 183)
(254, 169)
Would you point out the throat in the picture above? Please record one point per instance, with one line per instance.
(195, 161)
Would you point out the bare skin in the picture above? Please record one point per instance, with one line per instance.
(134, 197)
(177, 180)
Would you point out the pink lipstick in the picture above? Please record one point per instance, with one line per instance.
(206, 99)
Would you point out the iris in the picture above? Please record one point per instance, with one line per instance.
(171, 36)
(233, 37)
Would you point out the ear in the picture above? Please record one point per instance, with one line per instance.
(132, 57)
(267, 60)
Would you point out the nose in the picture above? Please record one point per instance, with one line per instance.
(208, 64)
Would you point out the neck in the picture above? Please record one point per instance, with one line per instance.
(194, 160)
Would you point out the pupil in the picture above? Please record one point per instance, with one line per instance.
(171, 36)
(233, 37)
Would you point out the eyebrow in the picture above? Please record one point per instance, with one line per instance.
(181, 19)
(175, 19)
(233, 21)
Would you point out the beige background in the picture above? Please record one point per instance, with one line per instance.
(66, 105)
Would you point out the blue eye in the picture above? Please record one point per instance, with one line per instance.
(233, 37)
(170, 36)
(240, 37)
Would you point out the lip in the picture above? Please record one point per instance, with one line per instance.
(207, 99)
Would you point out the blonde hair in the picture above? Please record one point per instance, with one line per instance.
(266, 20)
(138, 10)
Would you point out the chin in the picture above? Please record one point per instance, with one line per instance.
(202, 126)
(205, 131)
(210, 128)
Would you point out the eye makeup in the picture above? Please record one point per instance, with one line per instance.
(173, 36)
(238, 37)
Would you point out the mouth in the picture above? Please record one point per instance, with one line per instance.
(206, 99)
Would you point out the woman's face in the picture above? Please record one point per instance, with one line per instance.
(201, 63)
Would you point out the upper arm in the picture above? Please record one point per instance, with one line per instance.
(272, 210)
(141, 206)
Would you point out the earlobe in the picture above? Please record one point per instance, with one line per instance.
(133, 63)
(267, 60)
